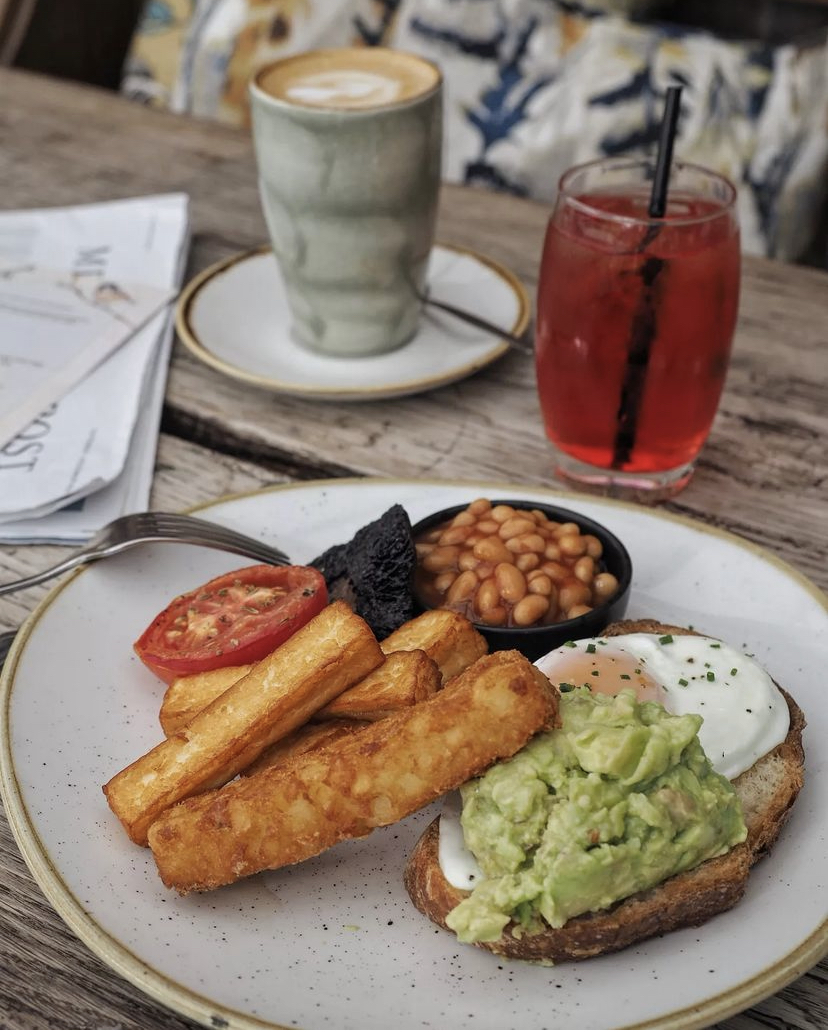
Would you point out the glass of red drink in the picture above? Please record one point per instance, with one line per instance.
(635, 320)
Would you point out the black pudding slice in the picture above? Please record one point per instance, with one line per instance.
(373, 571)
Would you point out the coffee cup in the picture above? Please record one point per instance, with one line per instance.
(348, 144)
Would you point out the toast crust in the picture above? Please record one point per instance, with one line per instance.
(685, 899)
(767, 791)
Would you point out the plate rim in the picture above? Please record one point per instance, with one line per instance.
(188, 335)
(166, 990)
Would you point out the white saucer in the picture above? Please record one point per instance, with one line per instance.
(234, 317)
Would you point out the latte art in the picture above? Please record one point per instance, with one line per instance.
(349, 79)
(344, 88)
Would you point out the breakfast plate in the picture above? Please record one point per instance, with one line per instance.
(234, 316)
(335, 941)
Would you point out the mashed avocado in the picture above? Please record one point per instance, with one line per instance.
(619, 798)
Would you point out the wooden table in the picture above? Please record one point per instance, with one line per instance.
(763, 473)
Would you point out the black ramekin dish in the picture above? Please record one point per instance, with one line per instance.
(535, 642)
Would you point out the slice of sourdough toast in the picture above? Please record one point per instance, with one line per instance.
(767, 792)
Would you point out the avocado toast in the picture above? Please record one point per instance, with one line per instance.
(766, 792)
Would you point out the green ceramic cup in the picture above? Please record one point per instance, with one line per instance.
(348, 145)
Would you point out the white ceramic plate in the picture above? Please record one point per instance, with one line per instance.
(234, 316)
(334, 942)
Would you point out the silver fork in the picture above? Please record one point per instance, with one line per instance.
(142, 527)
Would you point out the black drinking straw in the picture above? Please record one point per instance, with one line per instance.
(642, 332)
(664, 156)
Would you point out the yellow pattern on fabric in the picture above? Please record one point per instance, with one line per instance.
(157, 50)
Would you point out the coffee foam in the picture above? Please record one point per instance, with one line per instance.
(343, 88)
(349, 78)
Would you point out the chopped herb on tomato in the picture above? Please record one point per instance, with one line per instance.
(239, 617)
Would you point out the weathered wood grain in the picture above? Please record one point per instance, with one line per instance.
(763, 474)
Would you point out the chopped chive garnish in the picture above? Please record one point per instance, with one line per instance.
(625, 677)
(665, 639)
(590, 648)
(596, 673)
(715, 645)
(683, 682)
(734, 671)
(638, 670)
(711, 676)
(569, 644)
(565, 687)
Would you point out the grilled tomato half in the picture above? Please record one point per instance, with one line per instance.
(239, 617)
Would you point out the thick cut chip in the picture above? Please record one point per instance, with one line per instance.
(446, 637)
(187, 696)
(302, 740)
(317, 663)
(403, 679)
(371, 778)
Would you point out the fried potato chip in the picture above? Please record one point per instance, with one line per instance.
(329, 654)
(302, 740)
(403, 679)
(445, 636)
(187, 696)
(373, 777)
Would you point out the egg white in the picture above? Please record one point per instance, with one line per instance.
(744, 713)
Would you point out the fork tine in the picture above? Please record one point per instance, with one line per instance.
(218, 529)
(193, 529)
(183, 525)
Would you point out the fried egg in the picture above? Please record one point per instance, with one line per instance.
(744, 713)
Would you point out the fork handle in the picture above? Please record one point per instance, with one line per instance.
(69, 563)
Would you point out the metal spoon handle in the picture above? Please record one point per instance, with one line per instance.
(521, 343)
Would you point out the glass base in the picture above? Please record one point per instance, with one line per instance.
(646, 488)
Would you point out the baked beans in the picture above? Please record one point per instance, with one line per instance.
(511, 567)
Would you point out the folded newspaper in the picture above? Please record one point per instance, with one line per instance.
(85, 338)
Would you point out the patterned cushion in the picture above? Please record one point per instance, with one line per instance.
(534, 86)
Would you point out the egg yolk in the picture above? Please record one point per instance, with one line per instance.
(605, 672)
